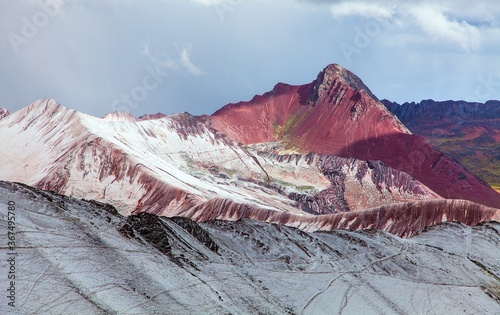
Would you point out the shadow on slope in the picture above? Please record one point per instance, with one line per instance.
(414, 155)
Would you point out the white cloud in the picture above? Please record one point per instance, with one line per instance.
(182, 62)
(185, 61)
(159, 62)
(217, 2)
(433, 21)
(365, 9)
(207, 2)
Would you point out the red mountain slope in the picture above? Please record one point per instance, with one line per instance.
(468, 132)
(402, 219)
(337, 114)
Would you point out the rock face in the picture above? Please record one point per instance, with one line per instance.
(152, 116)
(355, 184)
(85, 258)
(467, 132)
(3, 113)
(337, 114)
(430, 112)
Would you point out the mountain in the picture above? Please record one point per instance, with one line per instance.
(78, 256)
(467, 132)
(124, 116)
(179, 166)
(337, 114)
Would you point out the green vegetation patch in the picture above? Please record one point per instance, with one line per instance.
(486, 167)
(304, 188)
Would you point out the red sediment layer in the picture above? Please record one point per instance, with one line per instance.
(401, 219)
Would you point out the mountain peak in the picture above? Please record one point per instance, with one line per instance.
(338, 115)
(46, 107)
(332, 73)
(119, 116)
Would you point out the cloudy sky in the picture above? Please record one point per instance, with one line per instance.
(99, 56)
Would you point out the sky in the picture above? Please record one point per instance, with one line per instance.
(169, 56)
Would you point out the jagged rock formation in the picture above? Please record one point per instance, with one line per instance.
(432, 112)
(465, 131)
(85, 258)
(337, 114)
(3, 113)
(152, 116)
(125, 116)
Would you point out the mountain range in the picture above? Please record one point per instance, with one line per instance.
(319, 156)
(297, 179)
(465, 131)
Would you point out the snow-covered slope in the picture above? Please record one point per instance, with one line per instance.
(129, 164)
(177, 165)
(81, 257)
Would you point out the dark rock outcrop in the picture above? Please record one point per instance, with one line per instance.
(3, 113)
(194, 229)
(148, 228)
(152, 116)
